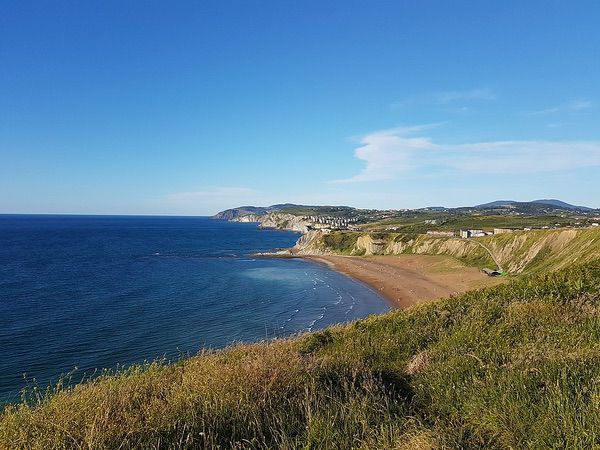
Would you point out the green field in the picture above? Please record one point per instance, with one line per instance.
(415, 223)
(515, 366)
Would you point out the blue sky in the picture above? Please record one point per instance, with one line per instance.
(148, 107)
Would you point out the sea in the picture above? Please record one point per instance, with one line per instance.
(83, 293)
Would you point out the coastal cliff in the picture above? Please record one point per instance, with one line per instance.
(277, 220)
(369, 244)
(516, 252)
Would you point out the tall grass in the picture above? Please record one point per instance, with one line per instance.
(515, 366)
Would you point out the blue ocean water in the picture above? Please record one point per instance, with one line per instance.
(92, 292)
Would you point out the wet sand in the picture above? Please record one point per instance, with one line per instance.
(406, 280)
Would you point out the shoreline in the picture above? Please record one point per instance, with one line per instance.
(402, 280)
(406, 280)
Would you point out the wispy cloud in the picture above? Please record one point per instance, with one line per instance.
(217, 193)
(571, 106)
(450, 101)
(542, 112)
(471, 94)
(388, 154)
(578, 105)
(556, 124)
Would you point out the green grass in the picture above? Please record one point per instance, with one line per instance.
(454, 222)
(342, 241)
(544, 250)
(517, 252)
(514, 366)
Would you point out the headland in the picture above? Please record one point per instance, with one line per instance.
(418, 255)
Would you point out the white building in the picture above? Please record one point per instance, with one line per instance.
(441, 233)
(465, 234)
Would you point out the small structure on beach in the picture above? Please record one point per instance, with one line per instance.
(491, 273)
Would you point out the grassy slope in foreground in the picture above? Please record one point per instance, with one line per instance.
(514, 366)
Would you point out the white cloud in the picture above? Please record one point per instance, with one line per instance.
(578, 105)
(521, 156)
(574, 105)
(387, 154)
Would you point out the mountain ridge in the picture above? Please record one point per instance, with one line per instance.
(531, 206)
(550, 202)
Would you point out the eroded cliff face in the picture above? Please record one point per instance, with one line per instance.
(545, 249)
(515, 252)
(395, 244)
(280, 221)
(311, 243)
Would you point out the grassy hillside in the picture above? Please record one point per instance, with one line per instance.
(544, 249)
(414, 222)
(526, 251)
(515, 366)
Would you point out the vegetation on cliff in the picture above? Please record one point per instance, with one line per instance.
(416, 222)
(515, 366)
(516, 252)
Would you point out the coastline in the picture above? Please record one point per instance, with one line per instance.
(403, 279)
(406, 280)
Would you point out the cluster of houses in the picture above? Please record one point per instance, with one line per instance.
(332, 223)
(469, 233)
(465, 234)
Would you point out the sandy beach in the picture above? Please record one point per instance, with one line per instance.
(406, 280)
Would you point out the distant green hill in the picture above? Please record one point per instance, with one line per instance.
(543, 207)
(542, 202)
(289, 208)
(514, 366)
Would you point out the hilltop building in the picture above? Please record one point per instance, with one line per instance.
(503, 230)
(329, 222)
(441, 233)
(465, 234)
